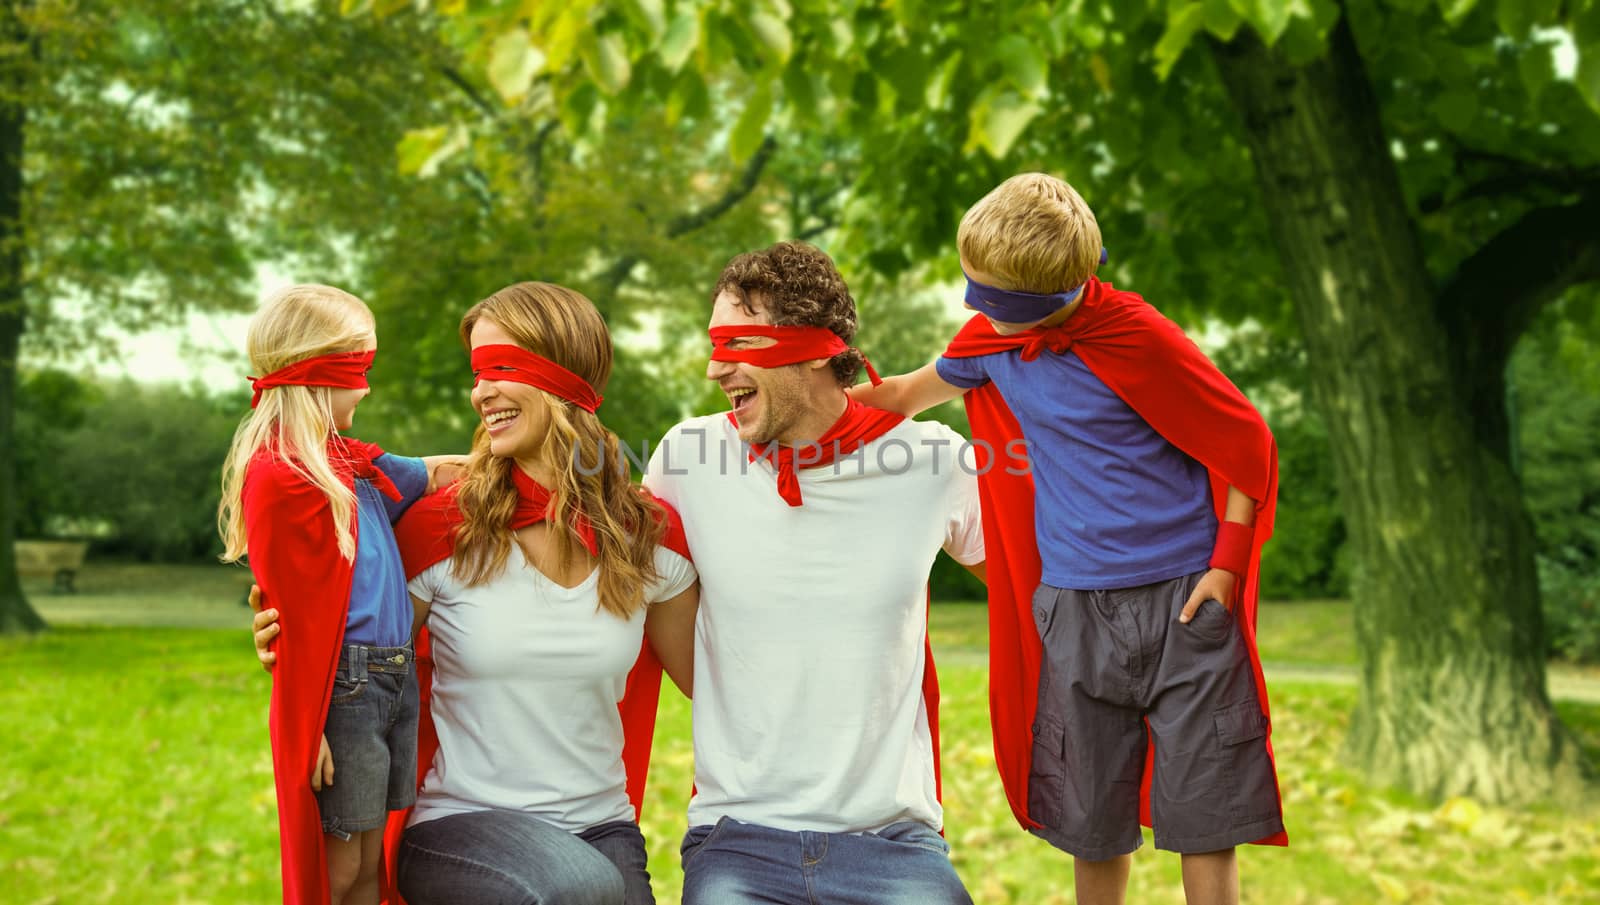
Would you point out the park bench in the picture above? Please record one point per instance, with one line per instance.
(59, 559)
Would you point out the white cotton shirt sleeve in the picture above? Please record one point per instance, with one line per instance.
(963, 536)
(425, 586)
(676, 575)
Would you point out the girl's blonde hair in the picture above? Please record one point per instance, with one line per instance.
(293, 422)
(563, 326)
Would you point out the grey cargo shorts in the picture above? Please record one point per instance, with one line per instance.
(1114, 660)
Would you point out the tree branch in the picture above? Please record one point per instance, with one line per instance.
(1498, 291)
(1509, 176)
(611, 281)
(734, 194)
(454, 77)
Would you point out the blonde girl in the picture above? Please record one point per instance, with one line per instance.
(313, 511)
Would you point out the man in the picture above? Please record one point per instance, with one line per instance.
(813, 521)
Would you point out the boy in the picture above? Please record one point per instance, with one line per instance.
(1137, 534)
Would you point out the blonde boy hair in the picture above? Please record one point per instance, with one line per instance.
(294, 421)
(1032, 233)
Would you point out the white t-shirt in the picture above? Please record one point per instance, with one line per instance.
(527, 676)
(808, 709)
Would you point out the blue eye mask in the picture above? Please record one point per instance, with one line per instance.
(1011, 307)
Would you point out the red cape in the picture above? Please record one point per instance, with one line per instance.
(294, 556)
(426, 537)
(1161, 374)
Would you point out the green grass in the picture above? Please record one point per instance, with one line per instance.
(135, 768)
(1302, 632)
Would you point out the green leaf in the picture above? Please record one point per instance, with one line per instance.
(1514, 17)
(1268, 17)
(679, 41)
(1181, 28)
(650, 15)
(689, 98)
(421, 151)
(1586, 34)
(751, 125)
(1456, 109)
(937, 94)
(606, 59)
(1024, 64)
(1221, 19)
(1456, 10)
(774, 33)
(800, 92)
(998, 121)
(1537, 66)
(513, 63)
(563, 36)
(1588, 77)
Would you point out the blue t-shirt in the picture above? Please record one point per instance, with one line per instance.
(1115, 504)
(380, 608)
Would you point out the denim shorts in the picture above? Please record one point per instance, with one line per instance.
(372, 733)
(1119, 671)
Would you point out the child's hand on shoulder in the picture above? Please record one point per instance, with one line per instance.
(444, 470)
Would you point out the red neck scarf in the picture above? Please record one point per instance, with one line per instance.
(426, 535)
(518, 365)
(345, 370)
(860, 424)
(534, 505)
(791, 345)
(353, 458)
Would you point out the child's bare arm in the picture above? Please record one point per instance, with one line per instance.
(443, 470)
(1219, 584)
(908, 394)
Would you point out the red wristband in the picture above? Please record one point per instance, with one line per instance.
(1235, 542)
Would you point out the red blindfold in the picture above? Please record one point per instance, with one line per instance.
(791, 345)
(344, 370)
(518, 365)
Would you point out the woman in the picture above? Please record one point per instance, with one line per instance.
(539, 575)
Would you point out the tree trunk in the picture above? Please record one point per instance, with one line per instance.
(15, 612)
(1453, 694)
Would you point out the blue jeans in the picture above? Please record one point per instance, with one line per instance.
(513, 858)
(734, 863)
(372, 734)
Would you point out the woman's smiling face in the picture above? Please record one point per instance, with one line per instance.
(514, 414)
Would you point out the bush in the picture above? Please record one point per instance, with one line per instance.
(1571, 610)
(139, 463)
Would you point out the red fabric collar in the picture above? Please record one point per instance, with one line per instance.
(354, 459)
(345, 370)
(860, 424)
(1159, 372)
(426, 534)
(518, 365)
(791, 345)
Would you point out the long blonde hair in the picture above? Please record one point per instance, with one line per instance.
(563, 326)
(294, 422)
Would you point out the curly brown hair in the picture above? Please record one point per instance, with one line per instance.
(799, 286)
